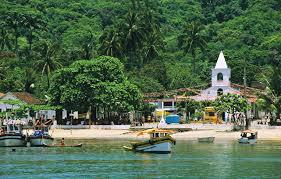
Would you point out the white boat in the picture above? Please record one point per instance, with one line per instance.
(206, 139)
(11, 136)
(40, 137)
(160, 142)
(248, 137)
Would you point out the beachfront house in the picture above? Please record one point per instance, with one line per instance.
(23, 97)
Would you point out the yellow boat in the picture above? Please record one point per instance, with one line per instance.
(160, 142)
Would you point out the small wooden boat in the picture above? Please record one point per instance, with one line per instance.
(206, 139)
(40, 136)
(160, 142)
(76, 145)
(248, 137)
(11, 136)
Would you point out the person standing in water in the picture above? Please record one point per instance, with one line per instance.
(62, 142)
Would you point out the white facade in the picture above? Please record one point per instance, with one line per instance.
(220, 82)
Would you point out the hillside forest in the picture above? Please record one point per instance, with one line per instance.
(162, 44)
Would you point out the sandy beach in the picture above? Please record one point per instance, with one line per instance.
(263, 134)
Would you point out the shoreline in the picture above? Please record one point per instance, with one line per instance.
(105, 134)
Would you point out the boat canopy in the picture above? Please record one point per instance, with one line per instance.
(150, 131)
(249, 131)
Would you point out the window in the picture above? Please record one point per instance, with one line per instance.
(211, 114)
(220, 92)
(168, 103)
(220, 77)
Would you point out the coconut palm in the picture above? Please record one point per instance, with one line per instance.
(191, 39)
(14, 21)
(48, 61)
(5, 40)
(32, 22)
(134, 32)
(270, 98)
(111, 44)
(152, 46)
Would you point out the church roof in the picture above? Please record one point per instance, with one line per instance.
(221, 64)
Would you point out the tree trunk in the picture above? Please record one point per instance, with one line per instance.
(90, 116)
(16, 44)
(193, 63)
(48, 80)
(247, 120)
(30, 42)
(59, 116)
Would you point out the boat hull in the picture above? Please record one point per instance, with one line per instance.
(206, 139)
(12, 141)
(40, 141)
(76, 145)
(158, 145)
(245, 140)
(163, 147)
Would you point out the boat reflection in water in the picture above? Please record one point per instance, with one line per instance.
(160, 142)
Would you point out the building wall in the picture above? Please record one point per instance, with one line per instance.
(226, 76)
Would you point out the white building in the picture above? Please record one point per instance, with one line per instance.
(220, 82)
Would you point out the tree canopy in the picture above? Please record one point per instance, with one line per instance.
(45, 36)
(99, 82)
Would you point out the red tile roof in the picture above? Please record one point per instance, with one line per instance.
(27, 97)
(1, 94)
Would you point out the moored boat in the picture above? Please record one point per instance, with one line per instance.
(11, 136)
(40, 137)
(206, 139)
(160, 142)
(248, 137)
(75, 145)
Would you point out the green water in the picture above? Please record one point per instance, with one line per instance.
(107, 159)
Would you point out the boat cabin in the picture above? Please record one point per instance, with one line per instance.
(41, 130)
(13, 129)
(249, 134)
(158, 134)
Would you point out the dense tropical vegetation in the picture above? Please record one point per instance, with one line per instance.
(163, 44)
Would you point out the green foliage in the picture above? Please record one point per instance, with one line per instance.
(99, 82)
(38, 37)
(231, 103)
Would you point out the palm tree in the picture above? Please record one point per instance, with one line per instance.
(191, 39)
(134, 36)
(5, 40)
(48, 58)
(153, 45)
(111, 44)
(271, 102)
(270, 99)
(31, 23)
(134, 32)
(88, 45)
(14, 21)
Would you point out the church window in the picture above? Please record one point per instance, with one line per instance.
(220, 92)
(220, 77)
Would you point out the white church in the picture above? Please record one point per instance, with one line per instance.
(220, 82)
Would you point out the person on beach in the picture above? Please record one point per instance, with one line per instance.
(62, 142)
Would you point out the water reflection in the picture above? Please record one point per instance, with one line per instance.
(99, 158)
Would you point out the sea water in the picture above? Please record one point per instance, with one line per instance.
(107, 159)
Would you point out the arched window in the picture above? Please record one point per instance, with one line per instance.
(220, 92)
(220, 77)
